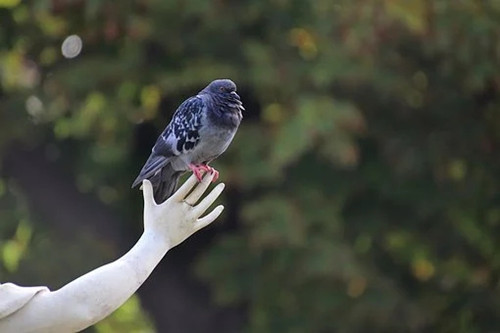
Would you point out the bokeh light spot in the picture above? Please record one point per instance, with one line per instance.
(34, 106)
(72, 46)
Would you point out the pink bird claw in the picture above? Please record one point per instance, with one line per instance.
(198, 171)
(208, 168)
(205, 167)
(216, 175)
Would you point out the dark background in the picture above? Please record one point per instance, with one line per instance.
(362, 187)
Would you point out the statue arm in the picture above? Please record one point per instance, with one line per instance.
(95, 295)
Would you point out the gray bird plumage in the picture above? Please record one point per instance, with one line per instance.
(200, 130)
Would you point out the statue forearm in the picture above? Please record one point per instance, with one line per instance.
(100, 292)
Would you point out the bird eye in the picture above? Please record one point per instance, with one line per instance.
(222, 89)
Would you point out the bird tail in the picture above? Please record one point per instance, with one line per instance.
(152, 167)
(165, 183)
(161, 175)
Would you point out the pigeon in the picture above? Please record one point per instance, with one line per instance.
(201, 129)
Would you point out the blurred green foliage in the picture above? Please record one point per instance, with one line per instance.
(16, 231)
(366, 171)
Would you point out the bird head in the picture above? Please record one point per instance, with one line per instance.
(224, 91)
(222, 87)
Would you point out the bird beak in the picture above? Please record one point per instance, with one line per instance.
(235, 95)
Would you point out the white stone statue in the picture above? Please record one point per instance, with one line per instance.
(93, 296)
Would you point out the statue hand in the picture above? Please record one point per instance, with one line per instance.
(179, 216)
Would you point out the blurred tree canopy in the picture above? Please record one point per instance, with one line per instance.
(363, 186)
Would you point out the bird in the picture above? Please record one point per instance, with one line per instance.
(200, 130)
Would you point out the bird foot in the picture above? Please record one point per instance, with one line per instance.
(198, 171)
(208, 168)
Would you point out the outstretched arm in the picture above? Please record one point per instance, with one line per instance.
(95, 295)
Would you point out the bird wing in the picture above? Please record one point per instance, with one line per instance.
(179, 137)
(184, 133)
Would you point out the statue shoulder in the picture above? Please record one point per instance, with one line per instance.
(14, 297)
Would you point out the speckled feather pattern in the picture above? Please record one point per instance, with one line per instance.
(184, 130)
